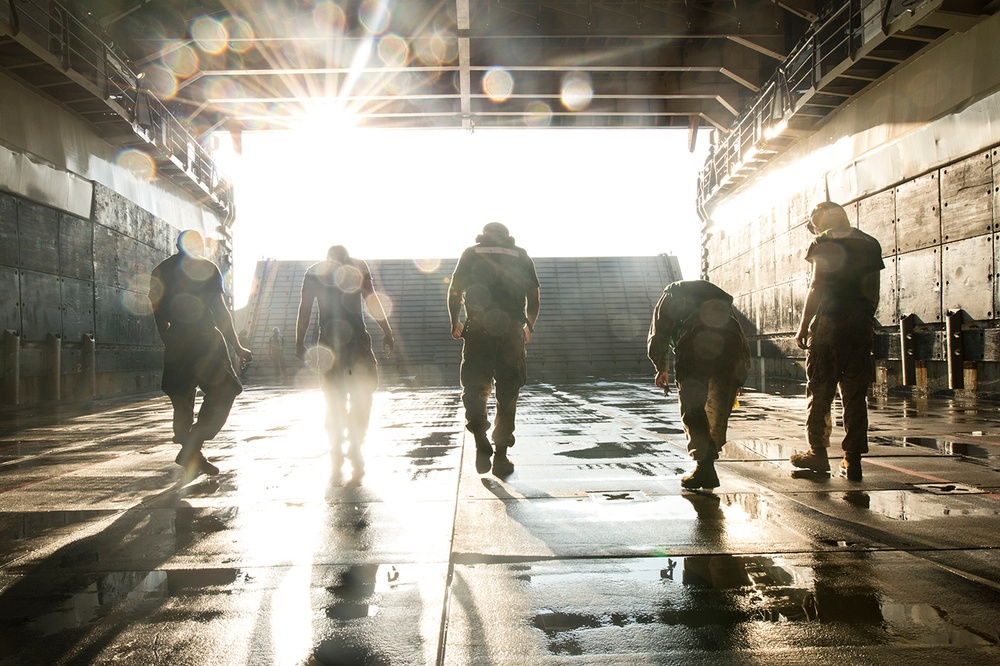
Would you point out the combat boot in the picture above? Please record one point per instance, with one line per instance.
(484, 450)
(850, 466)
(813, 459)
(703, 476)
(502, 465)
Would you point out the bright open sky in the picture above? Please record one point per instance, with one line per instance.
(427, 193)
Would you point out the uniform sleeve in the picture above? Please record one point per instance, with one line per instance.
(657, 342)
(532, 274)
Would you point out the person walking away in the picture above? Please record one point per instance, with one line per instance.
(342, 286)
(276, 349)
(186, 293)
(496, 281)
(837, 331)
(694, 320)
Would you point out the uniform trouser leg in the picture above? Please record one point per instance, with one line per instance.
(854, 384)
(692, 393)
(335, 392)
(183, 405)
(361, 382)
(478, 359)
(511, 376)
(213, 414)
(722, 392)
(821, 389)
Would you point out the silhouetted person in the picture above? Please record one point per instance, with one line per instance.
(342, 286)
(694, 319)
(276, 349)
(838, 332)
(194, 323)
(496, 281)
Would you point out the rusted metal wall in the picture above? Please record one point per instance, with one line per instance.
(79, 235)
(914, 160)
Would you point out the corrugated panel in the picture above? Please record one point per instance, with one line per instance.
(594, 317)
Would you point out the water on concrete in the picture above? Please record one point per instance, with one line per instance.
(589, 553)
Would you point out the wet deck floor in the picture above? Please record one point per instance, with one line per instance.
(589, 553)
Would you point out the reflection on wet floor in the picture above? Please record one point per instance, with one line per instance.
(590, 548)
(948, 447)
(721, 603)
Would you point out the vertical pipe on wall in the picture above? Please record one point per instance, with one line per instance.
(53, 366)
(908, 349)
(956, 349)
(88, 366)
(11, 368)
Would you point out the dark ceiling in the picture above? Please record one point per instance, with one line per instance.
(258, 65)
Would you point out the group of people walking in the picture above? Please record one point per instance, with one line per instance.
(496, 282)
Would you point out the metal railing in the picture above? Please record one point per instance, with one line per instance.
(81, 46)
(833, 40)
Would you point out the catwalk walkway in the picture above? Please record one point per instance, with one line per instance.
(589, 553)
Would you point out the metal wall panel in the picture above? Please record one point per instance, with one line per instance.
(967, 198)
(764, 261)
(967, 269)
(77, 308)
(877, 218)
(887, 313)
(38, 236)
(134, 259)
(10, 299)
(919, 284)
(918, 219)
(76, 247)
(8, 230)
(41, 311)
(106, 248)
(110, 315)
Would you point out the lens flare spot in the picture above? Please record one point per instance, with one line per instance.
(160, 81)
(320, 358)
(539, 115)
(387, 305)
(329, 16)
(136, 302)
(577, 91)
(180, 59)
(239, 34)
(374, 15)
(138, 162)
(348, 279)
(427, 265)
(393, 50)
(498, 84)
(436, 50)
(210, 35)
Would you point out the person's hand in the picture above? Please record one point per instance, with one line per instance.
(456, 331)
(244, 354)
(388, 344)
(527, 334)
(662, 380)
(802, 338)
(300, 351)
